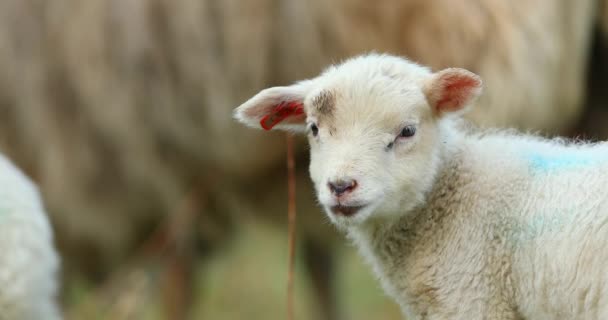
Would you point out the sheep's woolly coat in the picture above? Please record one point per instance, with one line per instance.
(28, 261)
(513, 227)
(131, 96)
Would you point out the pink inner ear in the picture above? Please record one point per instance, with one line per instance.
(280, 112)
(457, 90)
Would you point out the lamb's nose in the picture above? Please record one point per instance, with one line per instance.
(342, 186)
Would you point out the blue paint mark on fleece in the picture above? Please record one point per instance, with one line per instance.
(548, 163)
(571, 159)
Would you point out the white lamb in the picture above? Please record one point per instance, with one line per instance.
(456, 224)
(28, 261)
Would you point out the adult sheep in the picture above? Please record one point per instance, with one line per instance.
(456, 224)
(28, 263)
(131, 96)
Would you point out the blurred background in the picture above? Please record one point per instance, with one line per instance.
(164, 208)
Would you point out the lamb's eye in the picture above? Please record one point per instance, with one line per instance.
(314, 129)
(408, 131)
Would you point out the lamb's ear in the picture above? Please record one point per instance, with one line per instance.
(275, 108)
(451, 90)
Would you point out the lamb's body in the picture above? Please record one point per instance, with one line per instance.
(28, 261)
(456, 225)
(514, 227)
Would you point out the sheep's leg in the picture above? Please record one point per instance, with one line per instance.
(320, 262)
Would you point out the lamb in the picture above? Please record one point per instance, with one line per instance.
(29, 262)
(113, 166)
(455, 223)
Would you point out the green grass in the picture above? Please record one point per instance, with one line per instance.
(246, 280)
(249, 282)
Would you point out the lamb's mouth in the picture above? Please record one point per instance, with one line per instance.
(346, 211)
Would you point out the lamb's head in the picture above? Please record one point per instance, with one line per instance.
(373, 127)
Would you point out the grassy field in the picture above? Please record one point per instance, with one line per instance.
(249, 282)
(244, 281)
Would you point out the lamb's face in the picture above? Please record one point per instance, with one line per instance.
(372, 124)
(373, 147)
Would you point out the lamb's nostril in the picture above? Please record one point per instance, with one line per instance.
(339, 187)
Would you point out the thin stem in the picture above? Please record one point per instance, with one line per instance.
(291, 218)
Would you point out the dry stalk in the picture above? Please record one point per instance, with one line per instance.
(291, 217)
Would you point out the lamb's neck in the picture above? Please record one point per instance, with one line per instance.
(379, 237)
(393, 247)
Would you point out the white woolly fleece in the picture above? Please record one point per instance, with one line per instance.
(455, 224)
(29, 262)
